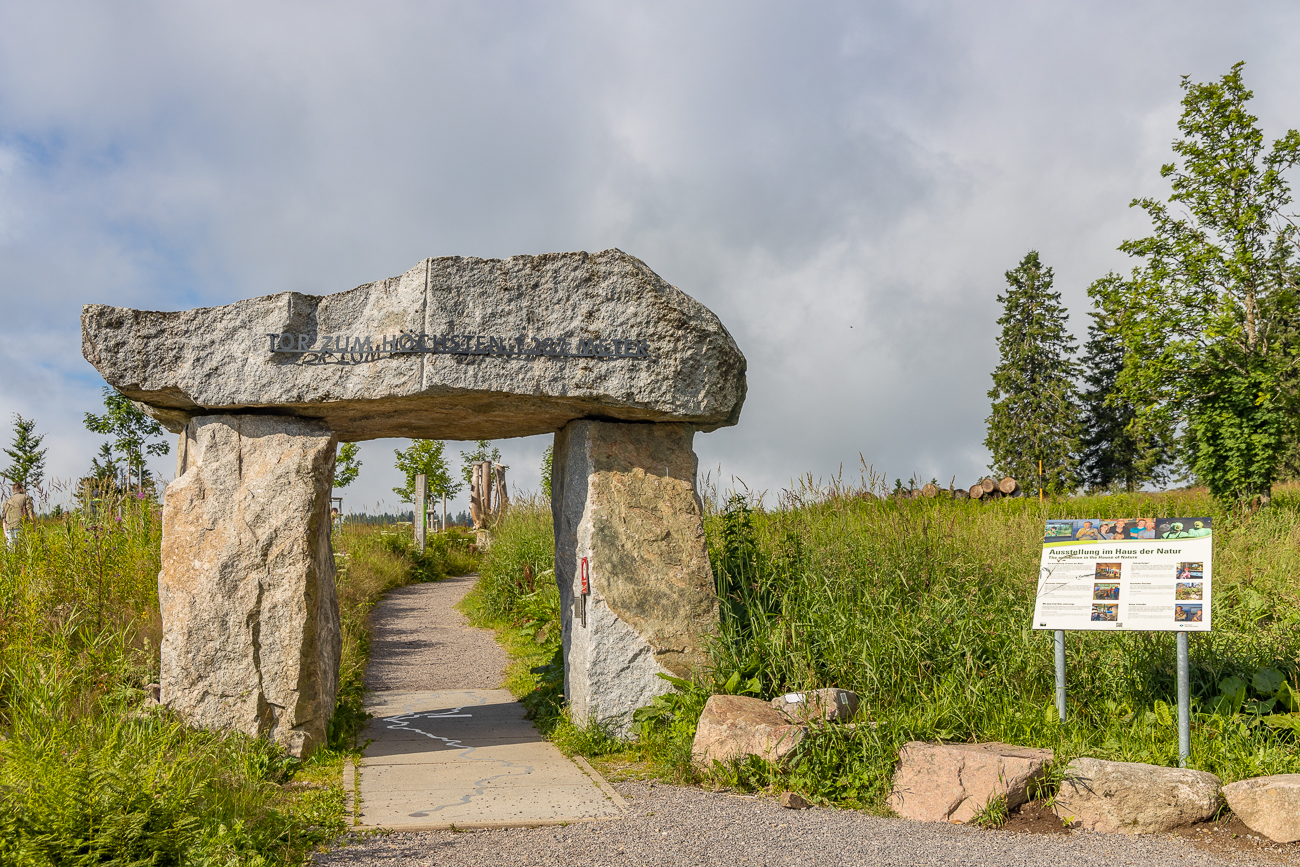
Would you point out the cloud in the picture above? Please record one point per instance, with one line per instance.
(843, 183)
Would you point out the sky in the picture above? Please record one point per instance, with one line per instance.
(843, 184)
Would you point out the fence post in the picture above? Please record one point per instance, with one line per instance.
(420, 518)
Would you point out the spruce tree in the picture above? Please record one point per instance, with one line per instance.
(1035, 413)
(1115, 451)
(28, 467)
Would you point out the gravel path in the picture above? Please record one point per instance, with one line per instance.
(422, 643)
(667, 825)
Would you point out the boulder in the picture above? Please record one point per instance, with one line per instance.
(250, 619)
(1134, 798)
(624, 501)
(456, 348)
(735, 726)
(953, 782)
(1268, 805)
(818, 705)
(794, 801)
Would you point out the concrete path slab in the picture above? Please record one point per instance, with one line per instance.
(467, 758)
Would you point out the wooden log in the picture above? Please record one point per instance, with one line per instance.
(929, 490)
(976, 491)
(988, 485)
(1008, 485)
(961, 494)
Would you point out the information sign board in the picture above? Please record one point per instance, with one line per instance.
(1144, 575)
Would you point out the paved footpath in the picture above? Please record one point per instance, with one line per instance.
(447, 747)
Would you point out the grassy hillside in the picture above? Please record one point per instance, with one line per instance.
(924, 608)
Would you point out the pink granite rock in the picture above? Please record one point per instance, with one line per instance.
(1268, 805)
(952, 782)
(1133, 797)
(735, 726)
(817, 705)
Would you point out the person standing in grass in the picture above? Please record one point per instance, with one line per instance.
(16, 509)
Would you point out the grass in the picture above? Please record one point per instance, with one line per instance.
(91, 771)
(924, 608)
(517, 596)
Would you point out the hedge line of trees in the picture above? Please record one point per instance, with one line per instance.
(1190, 366)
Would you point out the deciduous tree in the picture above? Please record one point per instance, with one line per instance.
(131, 430)
(1210, 313)
(425, 456)
(483, 451)
(346, 465)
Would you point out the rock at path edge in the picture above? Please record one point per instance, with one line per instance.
(1268, 805)
(735, 726)
(817, 705)
(1134, 798)
(953, 782)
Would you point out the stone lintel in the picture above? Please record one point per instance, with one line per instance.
(455, 348)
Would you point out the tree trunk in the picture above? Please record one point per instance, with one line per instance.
(976, 491)
(1008, 485)
(929, 490)
(988, 485)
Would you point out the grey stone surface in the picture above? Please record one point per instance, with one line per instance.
(250, 619)
(668, 826)
(217, 359)
(1268, 805)
(623, 496)
(1134, 798)
(953, 782)
(468, 759)
(817, 705)
(736, 726)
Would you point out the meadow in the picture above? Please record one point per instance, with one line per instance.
(93, 771)
(924, 608)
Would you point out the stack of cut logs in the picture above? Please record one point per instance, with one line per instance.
(991, 489)
(985, 489)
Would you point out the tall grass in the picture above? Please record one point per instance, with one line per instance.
(924, 608)
(91, 770)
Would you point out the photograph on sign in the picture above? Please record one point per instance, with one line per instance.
(1143, 574)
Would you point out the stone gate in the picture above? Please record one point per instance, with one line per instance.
(598, 349)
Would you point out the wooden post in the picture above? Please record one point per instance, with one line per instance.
(420, 517)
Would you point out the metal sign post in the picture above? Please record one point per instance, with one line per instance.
(1128, 575)
(1184, 693)
(1184, 703)
(1060, 674)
